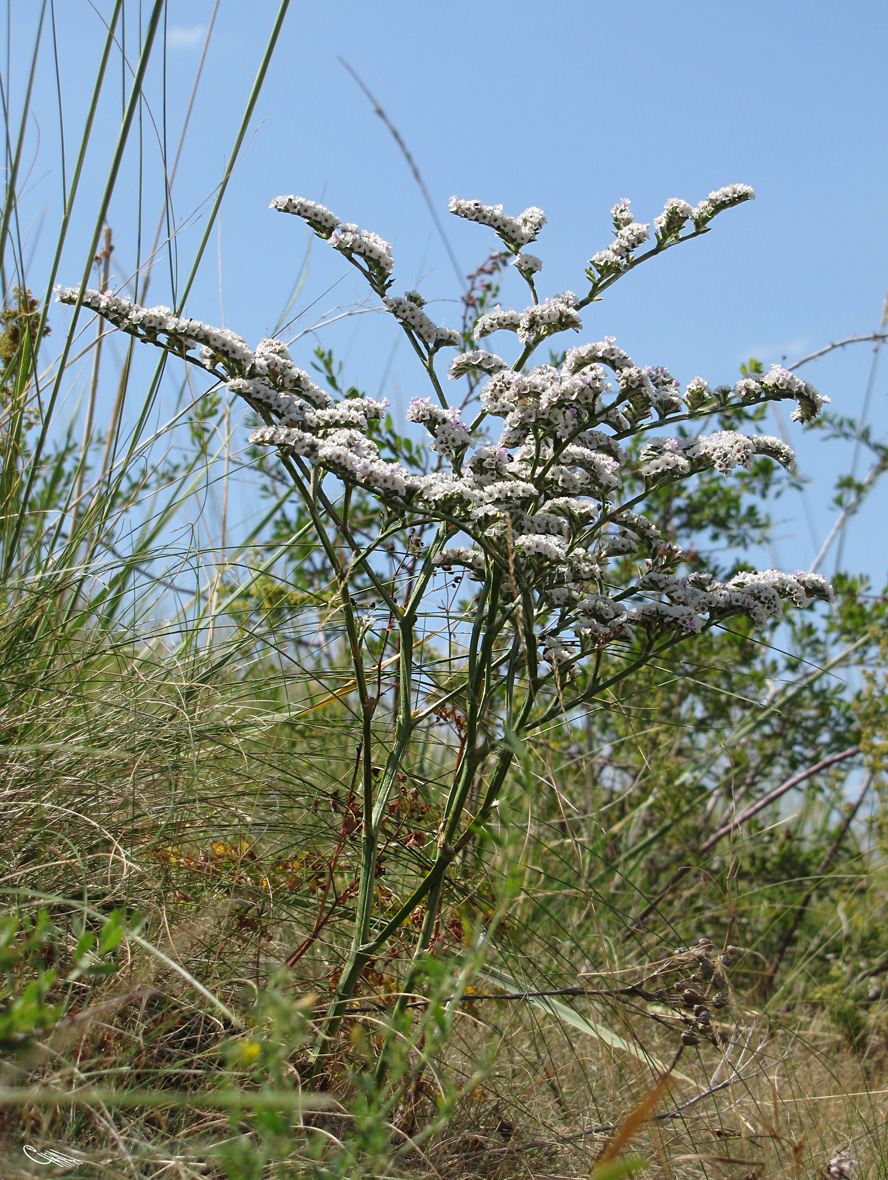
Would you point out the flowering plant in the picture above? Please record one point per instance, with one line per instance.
(536, 493)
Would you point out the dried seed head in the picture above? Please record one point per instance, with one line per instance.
(689, 1038)
(719, 1000)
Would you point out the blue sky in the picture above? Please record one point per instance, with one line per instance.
(569, 108)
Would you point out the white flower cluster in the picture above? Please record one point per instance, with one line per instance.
(496, 319)
(272, 365)
(676, 213)
(605, 350)
(347, 453)
(842, 1166)
(347, 238)
(460, 555)
(544, 501)
(552, 315)
(617, 255)
(476, 359)
(561, 655)
(649, 388)
(721, 199)
(724, 450)
(516, 232)
(629, 235)
(780, 383)
(535, 322)
(621, 214)
(801, 587)
(528, 264)
(697, 393)
(319, 217)
(544, 399)
(182, 333)
(367, 245)
(687, 603)
(407, 310)
(445, 425)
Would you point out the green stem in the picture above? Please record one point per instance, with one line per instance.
(599, 285)
(594, 689)
(479, 696)
(135, 97)
(304, 480)
(362, 949)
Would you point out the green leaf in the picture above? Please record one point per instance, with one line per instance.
(85, 943)
(112, 932)
(584, 1024)
(616, 1169)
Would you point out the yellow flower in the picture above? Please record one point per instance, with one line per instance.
(249, 1053)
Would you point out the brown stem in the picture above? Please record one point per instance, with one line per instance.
(747, 814)
(320, 922)
(323, 917)
(873, 337)
(766, 984)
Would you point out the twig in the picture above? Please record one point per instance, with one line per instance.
(875, 337)
(760, 804)
(607, 1128)
(747, 814)
(848, 511)
(323, 918)
(767, 983)
(575, 991)
(103, 257)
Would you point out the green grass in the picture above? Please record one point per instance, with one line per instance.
(178, 741)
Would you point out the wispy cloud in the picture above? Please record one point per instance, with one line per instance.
(180, 37)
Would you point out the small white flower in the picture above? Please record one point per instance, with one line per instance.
(460, 555)
(603, 351)
(466, 362)
(842, 1166)
(558, 313)
(528, 264)
(697, 393)
(514, 231)
(621, 213)
(407, 310)
(676, 213)
(350, 240)
(319, 217)
(496, 319)
(722, 198)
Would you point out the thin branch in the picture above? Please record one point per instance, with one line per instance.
(607, 1128)
(772, 796)
(873, 337)
(739, 820)
(819, 874)
(574, 992)
(848, 511)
